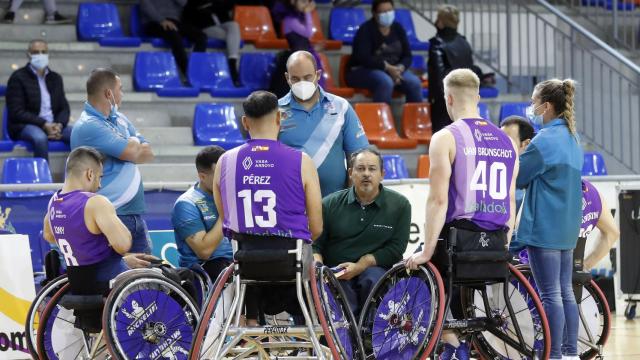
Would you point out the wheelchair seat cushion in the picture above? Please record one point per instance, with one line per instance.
(82, 302)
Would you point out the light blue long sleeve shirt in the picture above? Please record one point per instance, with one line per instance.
(550, 169)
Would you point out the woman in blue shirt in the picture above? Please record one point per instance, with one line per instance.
(550, 170)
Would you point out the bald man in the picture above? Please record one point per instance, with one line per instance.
(322, 125)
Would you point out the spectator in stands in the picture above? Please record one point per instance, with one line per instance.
(295, 19)
(195, 220)
(448, 51)
(323, 125)
(381, 57)
(106, 129)
(51, 16)
(161, 18)
(215, 19)
(366, 228)
(37, 107)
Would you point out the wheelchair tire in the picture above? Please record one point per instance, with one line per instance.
(392, 325)
(161, 324)
(594, 306)
(35, 311)
(331, 304)
(208, 330)
(524, 300)
(202, 284)
(58, 338)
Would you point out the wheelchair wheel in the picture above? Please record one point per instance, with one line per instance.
(58, 338)
(500, 340)
(403, 316)
(202, 285)
(149, 317)
(37, 307)
(217, 311)
(332, 307)
(595, 321)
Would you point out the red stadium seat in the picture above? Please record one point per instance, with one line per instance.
(330, 85)
(318, 37)
(416, 122)
(424, 164)
(256, 27)
(380, 128)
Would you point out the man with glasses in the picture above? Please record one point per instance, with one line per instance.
(37, 107)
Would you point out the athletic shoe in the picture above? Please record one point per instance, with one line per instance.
(57, 19)
(564, 357)
(8, 18)
(455, 353)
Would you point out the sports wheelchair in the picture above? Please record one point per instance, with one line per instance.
(148, 313)
(325, 326)
(593, 308)
(502, 316)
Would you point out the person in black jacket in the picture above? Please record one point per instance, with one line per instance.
(381, 57)
(215, 19)
(37, 107)
(448, 51)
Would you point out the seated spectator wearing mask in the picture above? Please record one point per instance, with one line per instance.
(37, 107)
(381, 57)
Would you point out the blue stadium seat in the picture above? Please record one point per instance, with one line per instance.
(489, 92)
(101, 22)
(157, 71)
(256, 69)
(345, 22)
(210, 72)
(394, 167)
(403, 16)
(483, 109)
(593, 164)
(419, 63)
(519, 109)
(215, 124)
(7, 144)
(3, 90)
(26, 171)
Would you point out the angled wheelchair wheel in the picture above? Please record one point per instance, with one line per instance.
(202, 285)
(209, 336)
(403, 316)
(519, 327)
(37, 307)
(149, 317)
(58, 338)
(332, 307)
(595, 321)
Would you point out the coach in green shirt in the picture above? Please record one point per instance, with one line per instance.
(366, 228)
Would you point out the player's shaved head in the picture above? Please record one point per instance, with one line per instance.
(81, 159)
(463, 85)
(99, 80)
(301, 56)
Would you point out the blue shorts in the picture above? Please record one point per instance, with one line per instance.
(140, 242)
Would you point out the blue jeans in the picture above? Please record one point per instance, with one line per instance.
(552, 271)
(358, 289)
(382, 86)
(38, 137)
(140, 242)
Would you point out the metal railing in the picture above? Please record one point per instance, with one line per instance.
(616, 21)
(526, 43)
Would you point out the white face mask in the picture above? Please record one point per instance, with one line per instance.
(303, 90)
(40, 61)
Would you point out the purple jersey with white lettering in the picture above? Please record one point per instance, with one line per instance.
(261, 191)
(78, 245)
(591, 208)
(481, 174)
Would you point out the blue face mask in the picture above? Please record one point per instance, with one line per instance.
(114, 109)
(536, 120)
(386, 18)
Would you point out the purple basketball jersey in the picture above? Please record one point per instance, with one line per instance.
(78, 245)
(481, 174)
(591, 208)
(262, 192)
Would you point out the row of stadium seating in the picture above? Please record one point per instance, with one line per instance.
(36, 171)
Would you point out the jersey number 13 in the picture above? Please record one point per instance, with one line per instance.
(268, 200)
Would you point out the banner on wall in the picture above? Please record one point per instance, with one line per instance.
(417, 196)
(163, 244)
(17, 291)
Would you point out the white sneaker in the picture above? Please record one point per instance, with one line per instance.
(570, 357)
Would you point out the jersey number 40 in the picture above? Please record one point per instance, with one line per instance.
(497, 182)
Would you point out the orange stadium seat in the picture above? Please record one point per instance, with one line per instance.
(380, 128)
(344, 60)
(424, 164)
(256, 27)
(318, 37)
(416, 122)
(330, 85)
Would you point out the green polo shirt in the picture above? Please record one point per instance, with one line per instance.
(352, 230)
